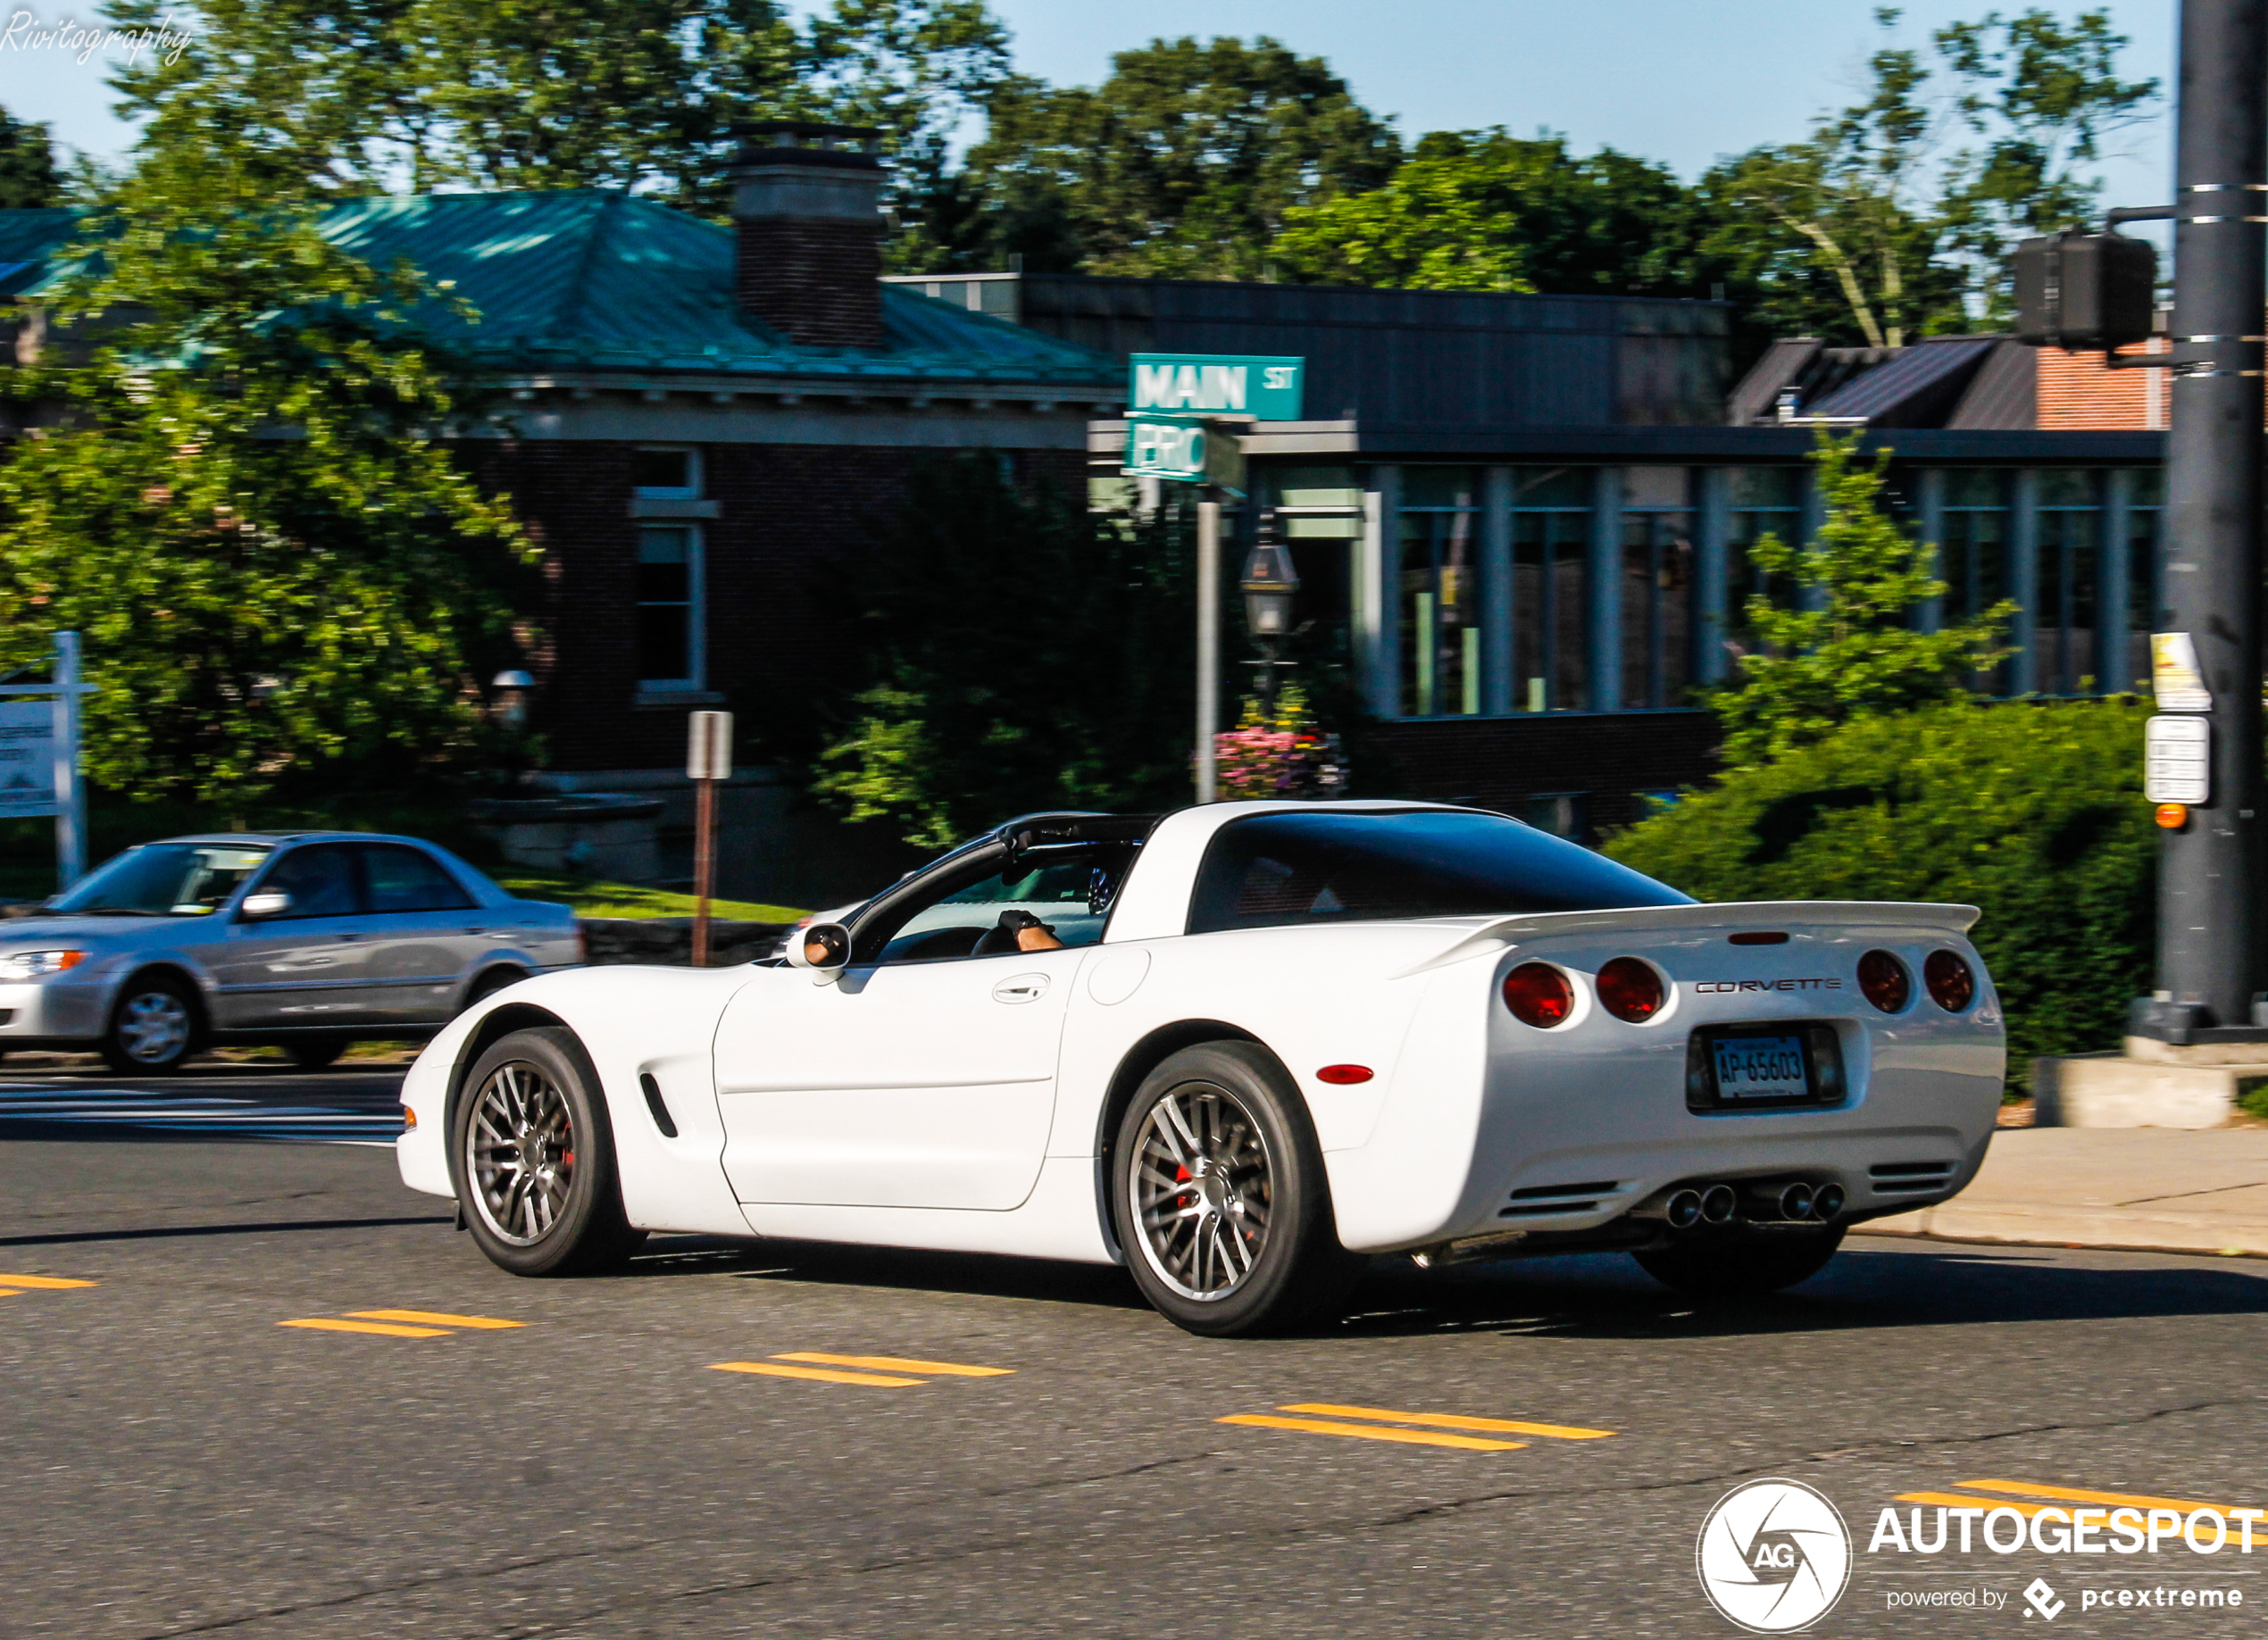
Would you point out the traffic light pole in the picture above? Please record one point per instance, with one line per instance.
(2209, 915)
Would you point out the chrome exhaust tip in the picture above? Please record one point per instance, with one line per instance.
(1718, 1205)
(1683, 1209)
(1795, 1201)
(1827, 1203)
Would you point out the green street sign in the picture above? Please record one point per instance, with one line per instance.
(1172, 447)
(1263, 386)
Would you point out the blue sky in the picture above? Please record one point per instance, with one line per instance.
(1681, 80)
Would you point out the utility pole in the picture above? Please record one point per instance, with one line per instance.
(708, 759)
(2209, 915)
(71, 790)
(1209, 785)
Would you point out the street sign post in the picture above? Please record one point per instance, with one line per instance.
(708, 759)
(1267, 387)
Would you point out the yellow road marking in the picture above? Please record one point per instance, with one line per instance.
(1451, 1421)
(10, 1293)
(2035, 1489)
(1958, 1500)
(894, 1363)
(824, 1376)
(43, 1281)
(1416, 1438)
(433, 1318)
(325, 1325)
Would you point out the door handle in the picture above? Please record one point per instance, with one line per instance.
(1022, 988)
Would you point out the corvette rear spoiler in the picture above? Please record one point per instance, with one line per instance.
(1733, 917)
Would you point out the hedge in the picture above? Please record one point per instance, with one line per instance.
(2031, 811)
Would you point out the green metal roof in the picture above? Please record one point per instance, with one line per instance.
(595, 279)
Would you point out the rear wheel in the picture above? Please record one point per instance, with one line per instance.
(532, 1160)
(153, 1028)
(1218, 1193)
(315, 1053)
(1744, 1264)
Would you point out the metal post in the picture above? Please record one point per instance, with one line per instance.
(70, 791)
(1208, 646)
(2208, 943)
(1712, 592)
(705, 865)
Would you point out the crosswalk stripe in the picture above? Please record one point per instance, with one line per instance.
(323, 1324)
(433, 1318)
(773, 1371)
(1416, 1438)
(893, 1363)
(207, 1114)
(1451, 1421)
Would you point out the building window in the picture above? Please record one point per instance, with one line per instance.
(1441, 594)
(2070, 520)
(1657, 587)
(1974, 565)
(2146, 594)
(668, 607)
(1762, 501)
(1319, 513)
(1551, 522)
(666, 472)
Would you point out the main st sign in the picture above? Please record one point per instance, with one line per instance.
(1171, 395)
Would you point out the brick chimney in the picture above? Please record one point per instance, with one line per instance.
(806, 203)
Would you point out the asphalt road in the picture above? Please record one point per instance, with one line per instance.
(181, 1453)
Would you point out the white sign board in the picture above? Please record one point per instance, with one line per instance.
(2178, 766)
(27, 759)
(708, 745)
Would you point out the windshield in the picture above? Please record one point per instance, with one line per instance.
(1275, 870)
(164, 879)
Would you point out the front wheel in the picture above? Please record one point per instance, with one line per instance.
(153, 1029)
(1746, 1264)
(532, 1160)
(1218, 1193)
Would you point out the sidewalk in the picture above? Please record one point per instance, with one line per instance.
(2156, 1189)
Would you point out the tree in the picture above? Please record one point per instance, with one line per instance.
(1856, 652)
(28, 175)
(1020, 653)
(362, 95)
(241, 504)
(1183, 163)
(1488, 211)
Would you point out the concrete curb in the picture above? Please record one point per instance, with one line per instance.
(2074, 1227)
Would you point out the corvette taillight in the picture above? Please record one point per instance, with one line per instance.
(1882, 980)
(1538, 994)
(1629, 989)
(1951, 984)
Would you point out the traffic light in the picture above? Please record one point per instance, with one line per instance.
(2085, 290)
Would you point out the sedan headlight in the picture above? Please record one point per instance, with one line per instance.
(38, 964)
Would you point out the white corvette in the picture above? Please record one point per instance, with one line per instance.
(1237, 1049)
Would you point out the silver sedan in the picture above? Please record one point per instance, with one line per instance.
(307, 939)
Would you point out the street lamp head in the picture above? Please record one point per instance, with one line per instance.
(1270, 583)
(513, 680)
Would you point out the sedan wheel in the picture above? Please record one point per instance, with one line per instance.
(153, 1028)
(532, 1159)
(1219, 1196)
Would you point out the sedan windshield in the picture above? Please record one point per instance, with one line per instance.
(164, 879)
(1274, 871)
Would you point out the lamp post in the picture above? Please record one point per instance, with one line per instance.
(1270, 585)
(514, 686)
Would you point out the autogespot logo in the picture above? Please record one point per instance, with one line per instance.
(1773, 1556)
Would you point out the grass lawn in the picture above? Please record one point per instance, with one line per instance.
(592, 898)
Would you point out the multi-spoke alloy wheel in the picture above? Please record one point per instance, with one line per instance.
(531, 1156)
(1218, 1194)
(153, 1028)
(1202, 1191)
(520, 1151)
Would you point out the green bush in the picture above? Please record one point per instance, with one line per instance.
(2030, 810)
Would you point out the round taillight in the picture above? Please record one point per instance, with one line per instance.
(1629, 989)
(1952, 986)
(1538, 994)
(1883, 981)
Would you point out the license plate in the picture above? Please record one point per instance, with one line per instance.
(1762, 1068)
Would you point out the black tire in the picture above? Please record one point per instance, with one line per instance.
(1742, 1263)
(315, 1053)
(537, 1183)
(154, 1027)
(489, 983)
(1251, 1133)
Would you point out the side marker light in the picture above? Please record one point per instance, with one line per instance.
(1345, 1075)
(409, 1119)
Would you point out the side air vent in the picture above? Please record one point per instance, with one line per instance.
(653, 1091)
(1890, 1177)
(1533, 1201)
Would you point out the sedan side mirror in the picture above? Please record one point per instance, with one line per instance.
(823, 947)
(273, 903)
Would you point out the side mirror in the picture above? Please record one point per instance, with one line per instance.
(824, 947)
(272, 903)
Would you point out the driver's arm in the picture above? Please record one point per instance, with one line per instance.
(1031, 934)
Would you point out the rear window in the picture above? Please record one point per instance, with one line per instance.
(1275, 870)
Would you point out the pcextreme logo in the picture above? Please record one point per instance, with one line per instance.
(1773, 1556)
